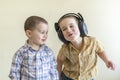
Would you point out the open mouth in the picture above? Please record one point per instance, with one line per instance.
(70, 35)
(43, 39)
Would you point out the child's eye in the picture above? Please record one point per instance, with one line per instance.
(71, 26)
(64, 29)
(43, 32)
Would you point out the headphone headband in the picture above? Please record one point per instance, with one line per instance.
(78, 16)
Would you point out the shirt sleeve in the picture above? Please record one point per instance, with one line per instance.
(99, 47)
(53, 71)
(61, 54)
(15, 66)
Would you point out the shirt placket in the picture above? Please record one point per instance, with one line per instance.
(38, 62)
(81, 61)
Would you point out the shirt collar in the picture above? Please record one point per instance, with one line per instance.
(29, 46)
(85, 43)
(86, 40)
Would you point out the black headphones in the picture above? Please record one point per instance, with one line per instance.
(82, 26)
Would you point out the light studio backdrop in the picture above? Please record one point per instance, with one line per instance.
(101, 16)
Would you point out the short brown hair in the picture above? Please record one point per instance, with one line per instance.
(32, 21)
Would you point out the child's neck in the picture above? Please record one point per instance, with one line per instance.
(34, 46)
(78, 43)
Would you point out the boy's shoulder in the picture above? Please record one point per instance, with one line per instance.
(47, 49)
(21, 50)
(90, 38)
(64, 47)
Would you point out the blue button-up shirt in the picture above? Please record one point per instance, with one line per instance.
(29, 64)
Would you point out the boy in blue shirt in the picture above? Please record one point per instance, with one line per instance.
(34, 60)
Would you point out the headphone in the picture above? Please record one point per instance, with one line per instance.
(81, 25)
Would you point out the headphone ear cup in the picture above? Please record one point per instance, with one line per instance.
(83, 29)
(59, 33)
(56, 27)
(61, 37)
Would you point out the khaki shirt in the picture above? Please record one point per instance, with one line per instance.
(81, 64)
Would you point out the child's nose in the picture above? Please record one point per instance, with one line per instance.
(45, 35)
(68, 29)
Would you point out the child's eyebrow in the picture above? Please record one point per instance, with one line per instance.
(62, 27)
(65, 26)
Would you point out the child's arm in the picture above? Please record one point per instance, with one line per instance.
(59, 67)
(15, 67)
(108, 63)
(54, 72)
(101, 52)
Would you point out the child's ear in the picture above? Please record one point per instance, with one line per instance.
(28, 33)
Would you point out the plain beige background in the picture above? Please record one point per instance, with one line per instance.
(101, 16)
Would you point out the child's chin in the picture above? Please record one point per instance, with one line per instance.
(42, 43)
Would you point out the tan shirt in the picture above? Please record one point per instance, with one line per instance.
(81, 64)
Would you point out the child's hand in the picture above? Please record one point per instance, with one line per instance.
(110, 65)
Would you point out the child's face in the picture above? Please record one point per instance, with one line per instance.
(69, 27)
(38, 35)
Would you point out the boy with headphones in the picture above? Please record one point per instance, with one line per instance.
(77, 58)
